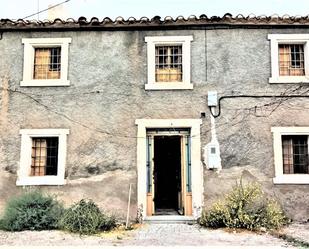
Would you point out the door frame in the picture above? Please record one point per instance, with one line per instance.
(183, 136)
(196, 165)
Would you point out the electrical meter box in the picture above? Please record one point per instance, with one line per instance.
(212, 98)
(213, 156)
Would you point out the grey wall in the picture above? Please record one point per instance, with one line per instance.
(108, 71)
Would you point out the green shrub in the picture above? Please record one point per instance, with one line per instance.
(274, 217)
(31, 211)
(1, 224)
(241, 203)
(108, 222)
(215, 217)
(244, 207)
(85, 217)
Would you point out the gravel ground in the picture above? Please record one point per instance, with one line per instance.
(193, 235)
(145, 235)
(298, 231)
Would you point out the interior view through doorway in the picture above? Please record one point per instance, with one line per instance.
(169, 172)
(167, 175)
(187, 133)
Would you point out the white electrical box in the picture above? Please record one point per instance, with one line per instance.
(213, 156)
(212, 98)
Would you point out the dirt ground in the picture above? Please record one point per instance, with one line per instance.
(157, 235)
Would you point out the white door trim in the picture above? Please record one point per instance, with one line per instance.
(196, 165)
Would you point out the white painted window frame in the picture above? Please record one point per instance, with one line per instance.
(185, 42)
(281, 178)
(196, 164)
(24, 177)
(275, 40)
(29, 48)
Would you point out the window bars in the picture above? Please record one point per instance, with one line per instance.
(44, 156)
(168, 61)
(291, 60)
(295, 154)
(47, 63)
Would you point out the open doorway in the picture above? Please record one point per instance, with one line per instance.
(191, 197)
(167, 175)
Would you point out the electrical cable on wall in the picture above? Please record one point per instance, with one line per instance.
(113, 134)
(252, 96)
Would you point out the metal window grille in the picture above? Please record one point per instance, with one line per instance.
(291, 60)
(44, 156)
(168, 63)
(295, 154)
(47, 63)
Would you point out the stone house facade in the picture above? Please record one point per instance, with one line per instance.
(179, 108)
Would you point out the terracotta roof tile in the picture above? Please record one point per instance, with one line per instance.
(156, 21)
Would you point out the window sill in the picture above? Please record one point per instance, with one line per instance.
(45, 83)
(292, 179)
(289, 79)
(168, 86)
(41, 180)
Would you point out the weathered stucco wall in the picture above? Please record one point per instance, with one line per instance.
(238, 63)
(108, 71)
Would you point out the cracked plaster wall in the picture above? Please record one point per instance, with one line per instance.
(108, 71)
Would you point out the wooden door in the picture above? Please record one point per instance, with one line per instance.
(186, 175)
(150, 175)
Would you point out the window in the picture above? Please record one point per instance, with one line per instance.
(291, 154)
(42, 158)
(168, 62)
(289, 58)
(295, 154)
(45, 62)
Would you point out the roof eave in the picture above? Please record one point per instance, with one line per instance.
(173, 26)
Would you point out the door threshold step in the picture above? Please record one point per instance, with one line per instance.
(170, 219)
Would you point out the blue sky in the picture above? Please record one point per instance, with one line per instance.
(138, 8)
